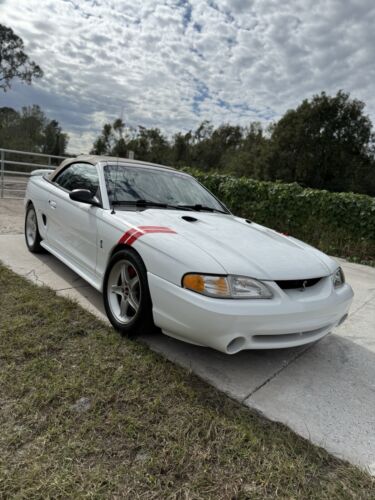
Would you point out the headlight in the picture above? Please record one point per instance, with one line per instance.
(243, 287)
(235, 287)
(338, 278)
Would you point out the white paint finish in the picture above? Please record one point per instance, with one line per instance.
(236, 246)
(310, 388)
(260, 324)
(84, 236)
(72, 228)
(89, 278)
(167, 255)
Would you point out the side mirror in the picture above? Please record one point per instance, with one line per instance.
(84, 196)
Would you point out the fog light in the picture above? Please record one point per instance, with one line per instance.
(235, 345)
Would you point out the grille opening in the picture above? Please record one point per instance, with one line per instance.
(290, 284)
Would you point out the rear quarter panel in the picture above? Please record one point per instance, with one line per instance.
(37, 194)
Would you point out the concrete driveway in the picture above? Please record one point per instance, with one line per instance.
(324, 391)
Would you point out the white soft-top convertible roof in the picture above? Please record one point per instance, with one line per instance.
(94, 159)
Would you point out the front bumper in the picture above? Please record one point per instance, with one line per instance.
(291, 318)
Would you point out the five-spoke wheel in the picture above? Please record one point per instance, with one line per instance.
(126, 295)
(124, 291)
(32, 235)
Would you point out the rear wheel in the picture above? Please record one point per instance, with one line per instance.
(32, 235)
(126, 294)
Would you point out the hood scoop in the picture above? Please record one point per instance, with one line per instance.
(189, 218)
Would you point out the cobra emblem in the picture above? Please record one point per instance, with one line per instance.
(303, 287)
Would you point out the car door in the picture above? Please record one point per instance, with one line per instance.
(72, 226)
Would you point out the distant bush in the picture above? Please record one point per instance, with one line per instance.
(341, 224)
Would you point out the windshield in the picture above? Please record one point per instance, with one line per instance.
(129, 184)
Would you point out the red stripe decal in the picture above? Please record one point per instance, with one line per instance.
(146, 231)
(156, 228)
(133, 234)
(128, 234)
(133, 238)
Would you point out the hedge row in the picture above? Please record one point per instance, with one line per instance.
(341, 224)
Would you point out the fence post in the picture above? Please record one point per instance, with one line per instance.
(2, 168)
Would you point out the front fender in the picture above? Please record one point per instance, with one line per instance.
(165, 254)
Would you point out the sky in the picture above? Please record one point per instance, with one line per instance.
(174, 63)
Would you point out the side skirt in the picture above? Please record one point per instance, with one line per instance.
(92, 280)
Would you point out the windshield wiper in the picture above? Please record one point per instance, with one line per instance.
(149, 203)
(203, 208)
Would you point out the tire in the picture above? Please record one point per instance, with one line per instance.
(32, 235)
(126, 294)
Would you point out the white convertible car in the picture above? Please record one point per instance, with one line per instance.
(164, 251)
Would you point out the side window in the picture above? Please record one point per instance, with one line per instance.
(79, 176)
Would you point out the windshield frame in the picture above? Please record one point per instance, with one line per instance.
(123, 164)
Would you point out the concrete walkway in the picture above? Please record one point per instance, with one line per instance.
(324, 392)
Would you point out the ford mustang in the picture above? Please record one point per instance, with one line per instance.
(166, 252)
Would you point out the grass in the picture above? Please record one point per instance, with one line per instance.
(85, 413)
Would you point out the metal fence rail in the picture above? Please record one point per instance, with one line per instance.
(16, 167)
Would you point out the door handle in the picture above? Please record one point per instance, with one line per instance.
(52, 203)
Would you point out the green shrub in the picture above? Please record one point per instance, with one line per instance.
(341, 224)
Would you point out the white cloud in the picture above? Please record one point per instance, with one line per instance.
(174, 63)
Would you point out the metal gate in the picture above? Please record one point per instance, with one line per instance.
(16, 167)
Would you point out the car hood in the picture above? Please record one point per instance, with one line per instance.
(239, 247)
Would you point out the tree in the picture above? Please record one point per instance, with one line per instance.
(55, 141)
(30, 130)
(148, 144)
(14, 62)
(9, 122)
(252, 157)
(325, 143)
(103, 144)
(213, 147)
(182, 149)
(151, 145)
(120, 149)
(111, 141)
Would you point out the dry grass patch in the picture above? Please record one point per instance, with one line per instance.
(85, 413)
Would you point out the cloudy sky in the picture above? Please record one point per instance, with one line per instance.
(174, 63)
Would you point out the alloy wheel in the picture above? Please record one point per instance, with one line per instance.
(124, 291)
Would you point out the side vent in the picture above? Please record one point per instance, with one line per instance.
(189, 218)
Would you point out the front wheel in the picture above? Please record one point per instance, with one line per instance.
(126, 294)
(32, 235)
